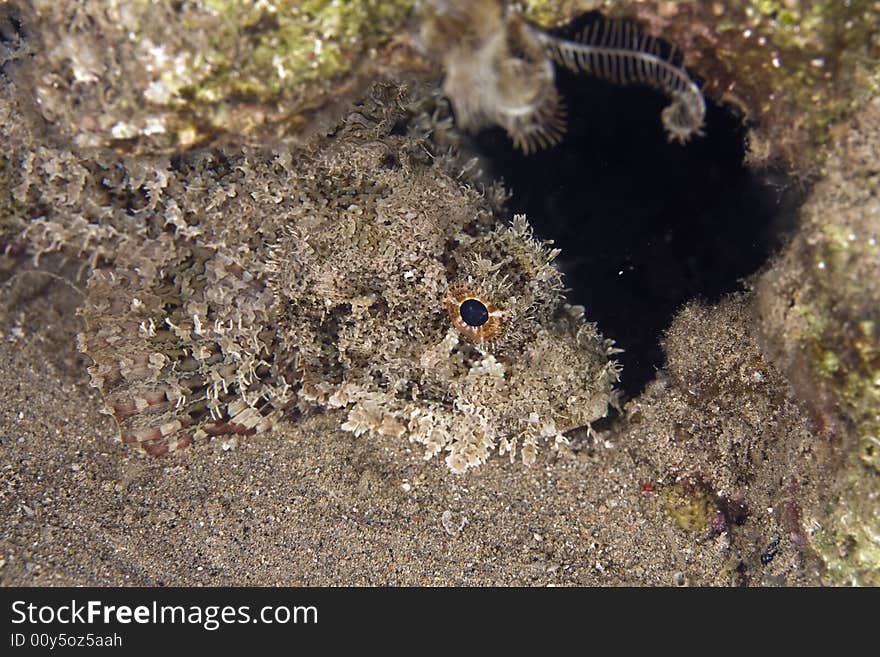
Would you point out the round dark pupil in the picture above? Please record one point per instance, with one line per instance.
(473, 312)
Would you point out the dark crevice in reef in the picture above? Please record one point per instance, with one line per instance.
(644, 225)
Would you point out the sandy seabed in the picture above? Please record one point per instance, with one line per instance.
(305, 504)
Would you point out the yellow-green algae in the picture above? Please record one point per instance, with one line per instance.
(843, 342)
(290, 42)
(794, 66)
(157, 76)
(848, 539)
(689, 506)
(821, 307)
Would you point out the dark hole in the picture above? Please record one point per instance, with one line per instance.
(644, 225)
(12, 36)
(390, 161)
(473, 312)
(400, 127)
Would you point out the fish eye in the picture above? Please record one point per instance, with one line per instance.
(474, 316)
(473, 312)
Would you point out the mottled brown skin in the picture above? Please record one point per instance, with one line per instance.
(234, 286)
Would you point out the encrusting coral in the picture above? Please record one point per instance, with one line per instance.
(232, 286)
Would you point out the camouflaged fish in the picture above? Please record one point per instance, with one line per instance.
(368, 273)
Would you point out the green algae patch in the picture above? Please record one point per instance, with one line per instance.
(844, 343)
(690, 507)
(821, 315)
(155, 77)
(849, 538)
(278, 45)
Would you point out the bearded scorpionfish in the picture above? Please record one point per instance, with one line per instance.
(370, 272)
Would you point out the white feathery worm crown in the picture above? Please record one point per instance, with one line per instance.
(499, 70)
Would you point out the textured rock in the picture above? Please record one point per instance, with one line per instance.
(159, 76)
(820, 319)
